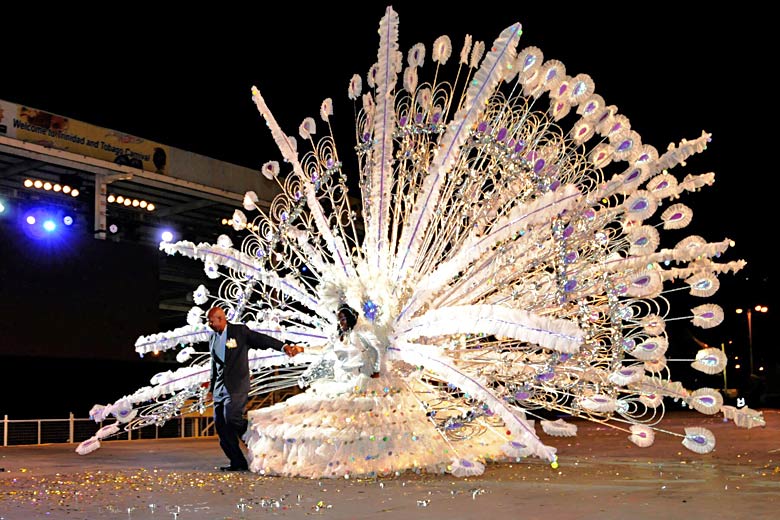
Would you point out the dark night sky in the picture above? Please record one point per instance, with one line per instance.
(184, 79)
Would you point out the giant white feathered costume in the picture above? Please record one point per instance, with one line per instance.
(504, 255)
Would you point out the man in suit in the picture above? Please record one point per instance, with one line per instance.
(229, 346)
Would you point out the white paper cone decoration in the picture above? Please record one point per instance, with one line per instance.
(599, 403)
(662, 185)
(747, 417)
(123, 411)
(238, 222)
(466, 468)
(559, 428)
(88, 446)
(250, 201)
(646, 284)
(200, 295)
(640, 206)
(699, 440)
(516, 449)
(98, 412)
(705, 400)
(691, 242)
(107, 431)
(184, 354)
(651, 400)
(270, 170)
(650, 349)
(677, 216)
(644, 240)
(195, 316)
(653, 325)
(655, 365)
(641, 435)
(703, 284)
(626, 375)
(707, 316)
(710, 361)
(224, 240)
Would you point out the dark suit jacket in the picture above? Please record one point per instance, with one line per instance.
(235, 372)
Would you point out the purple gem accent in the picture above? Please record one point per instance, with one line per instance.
(708, 315)
(529, 60)
(366, 137)
(482, 127)
(633, 175)
(436, 117)
(616, 127)
(551, 74)
(546, 376)
(644, 280)
(329, 163)
(568, 231)
(628, 371)
(589, 213)
(625, 145)
(583, 130)
(522, 396)
(538, 165)
(501, 134)
(511, 142)
(555, 185)
(565, 357)
(707, 400)
(591, 107)
(642, 241)
(520, 146)
(570, 257)
(570, 285)
(639, 205)
(643, 157)
(662, 185)
(285, 216)
(418, 118)
(676, 216)
(563, 88)
(698, 439)
(466, 463)
(629, 343)
(649, 346)
(402, 121)
(518, 444)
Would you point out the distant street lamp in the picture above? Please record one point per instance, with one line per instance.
(757, 308)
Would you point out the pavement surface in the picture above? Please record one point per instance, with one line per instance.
(601, 475)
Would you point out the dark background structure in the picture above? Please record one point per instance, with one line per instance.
(184, 79)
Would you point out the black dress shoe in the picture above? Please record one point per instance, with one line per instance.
(233, 468)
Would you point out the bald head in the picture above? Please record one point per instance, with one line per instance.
(216, 319)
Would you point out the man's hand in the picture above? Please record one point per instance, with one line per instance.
(292, 350)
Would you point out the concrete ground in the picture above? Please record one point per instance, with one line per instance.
(601, 475)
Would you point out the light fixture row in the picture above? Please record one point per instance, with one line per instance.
(249, 226)
(127, 201)
(49, 186)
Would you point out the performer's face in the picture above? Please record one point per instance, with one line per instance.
(343, 323)
(217, 321)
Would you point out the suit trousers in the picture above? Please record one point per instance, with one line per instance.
(231, 424)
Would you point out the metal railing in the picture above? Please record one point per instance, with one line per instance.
(18, 432)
